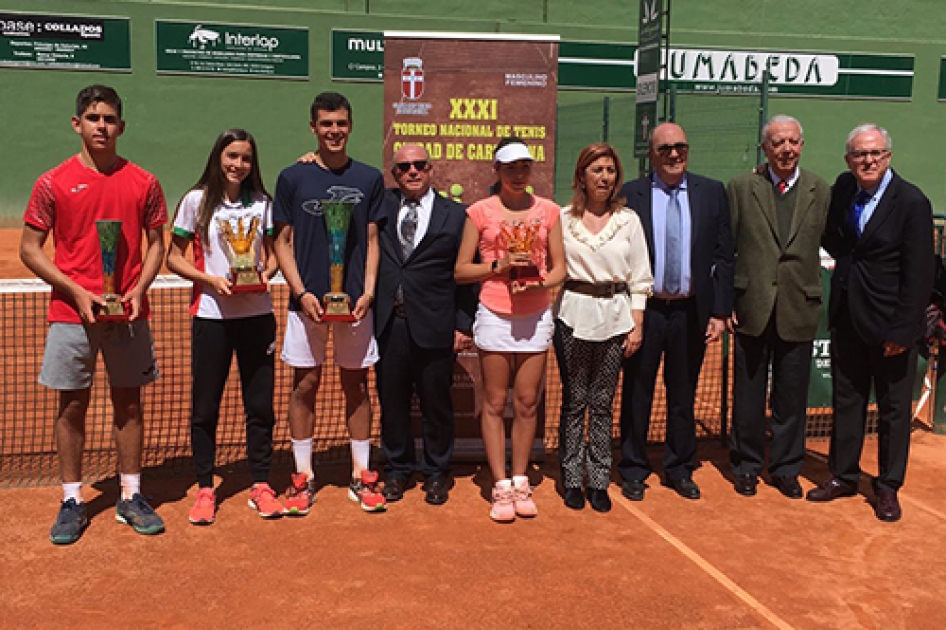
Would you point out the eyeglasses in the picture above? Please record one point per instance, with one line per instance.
(420, 165)
(666, 149)
(874, 154)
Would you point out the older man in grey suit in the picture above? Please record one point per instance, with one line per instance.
(778, 217)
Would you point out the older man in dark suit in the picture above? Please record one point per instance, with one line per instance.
(778, 217)
(686, 223)
(422, 319)
(880, 231)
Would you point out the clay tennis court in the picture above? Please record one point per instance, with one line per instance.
(722, 562)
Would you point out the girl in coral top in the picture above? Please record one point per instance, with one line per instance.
(519, 239)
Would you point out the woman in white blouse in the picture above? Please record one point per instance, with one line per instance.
(599, 317)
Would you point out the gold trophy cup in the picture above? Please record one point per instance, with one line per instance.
(244, 268)
(337, 303)
(520, 235)
(113, 310)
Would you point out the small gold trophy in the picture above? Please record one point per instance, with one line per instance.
(244, 268)
(519, 237)
(337, 303)
(109, 236)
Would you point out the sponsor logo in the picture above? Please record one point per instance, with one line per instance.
(79, 188)
(363, 44)
(203, 36)
(744, 66)
(51, 27)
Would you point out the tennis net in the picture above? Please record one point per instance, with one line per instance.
(27, 440)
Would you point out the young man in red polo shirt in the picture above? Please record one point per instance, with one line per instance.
(97, 184)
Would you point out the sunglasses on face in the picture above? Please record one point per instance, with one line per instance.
(874, 154)
(666, 149)
(404, 167)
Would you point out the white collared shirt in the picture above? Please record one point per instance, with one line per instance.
(789, 183)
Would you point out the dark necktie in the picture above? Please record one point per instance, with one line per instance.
(408, 228)
(672, 248)
(857, 209)
(782, 186)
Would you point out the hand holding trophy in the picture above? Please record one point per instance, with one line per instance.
(337, 303)
(112, 309)
(519, 236)
(244, 267)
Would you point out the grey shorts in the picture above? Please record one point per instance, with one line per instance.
(72, 350)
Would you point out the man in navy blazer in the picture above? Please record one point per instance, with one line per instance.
(687, 226)
(422, 319)
(880, 232)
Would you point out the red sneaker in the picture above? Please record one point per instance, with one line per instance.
(263, 500)
(300, 495)
(205, 507)
(365, 491)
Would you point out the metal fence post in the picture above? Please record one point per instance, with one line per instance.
(606, 119)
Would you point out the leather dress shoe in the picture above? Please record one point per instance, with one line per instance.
(574, 499)
(394, 488)
(599, 500)
(746, 484)
(830, 490)
(437, 491)
(633, 490)
(887, 507)
(788, 486)
(685, 487)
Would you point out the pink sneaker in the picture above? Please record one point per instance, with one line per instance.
(263, 500)
(300, 495)
(502, 509)
(365, 492)
(522, 497)
(205, 507)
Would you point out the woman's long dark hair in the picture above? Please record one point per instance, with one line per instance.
(588, 156)
(213, 182)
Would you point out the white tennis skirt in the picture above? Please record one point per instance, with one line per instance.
(494, 332)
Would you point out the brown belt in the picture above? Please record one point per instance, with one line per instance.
(596, 289)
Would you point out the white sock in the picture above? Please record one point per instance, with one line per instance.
(131, 485)
(360, 456)
(504, 484)
(520, 480)
(72, 491)
(302, 453)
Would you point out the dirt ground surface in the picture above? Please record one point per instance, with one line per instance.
(724, 561)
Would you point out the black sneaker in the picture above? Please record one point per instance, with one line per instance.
(70, 523)
(141, 516)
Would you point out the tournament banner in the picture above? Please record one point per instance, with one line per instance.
(459, 94)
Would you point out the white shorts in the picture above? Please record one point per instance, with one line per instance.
(512, 333)
(305, 342)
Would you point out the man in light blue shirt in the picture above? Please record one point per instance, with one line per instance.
(686, 223)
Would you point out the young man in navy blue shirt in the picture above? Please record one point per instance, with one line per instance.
(303, 250)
